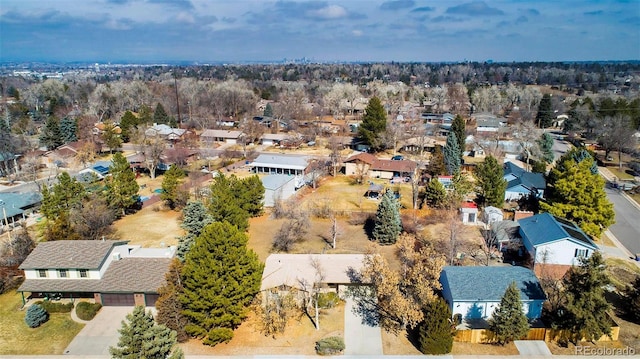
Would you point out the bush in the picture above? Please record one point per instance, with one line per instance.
(328, 300)
(54, 307)
(86, 310)
(36, 316)
(330, 346)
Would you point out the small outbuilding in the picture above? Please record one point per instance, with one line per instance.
(469, 213)
(279, 188)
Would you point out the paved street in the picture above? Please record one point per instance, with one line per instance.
(627, 226)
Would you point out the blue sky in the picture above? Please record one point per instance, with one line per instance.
(348, 30)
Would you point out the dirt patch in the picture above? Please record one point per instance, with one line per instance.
(298, 339)
(484, 349)
(150, 228)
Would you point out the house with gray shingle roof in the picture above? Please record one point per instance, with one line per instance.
(554, 240)
(475, 292)
(521, 183)
(279, 164)
(110, 272)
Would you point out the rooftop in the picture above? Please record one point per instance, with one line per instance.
(545, 228)
(273, 182)
(64, 254)
(278, 161)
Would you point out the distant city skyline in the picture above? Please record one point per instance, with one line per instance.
(157, 31)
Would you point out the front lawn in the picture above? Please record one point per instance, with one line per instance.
(16, 338)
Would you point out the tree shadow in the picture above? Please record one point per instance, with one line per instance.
(365, 303)
(369, 224)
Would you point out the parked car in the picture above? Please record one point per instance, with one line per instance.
(397, 158)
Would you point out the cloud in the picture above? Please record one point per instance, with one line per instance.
(532, 12)
(522, 19)
(118, 2)
(357, 33)
(423, 9)
(328, 12)
(397, 5)
(180, 4)
(594, 13)
(476, 8)
(314, 10)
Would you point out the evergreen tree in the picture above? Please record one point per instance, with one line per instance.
(121, 186)
(160, 115)
(170, 186)
(461, 187)
(388, 224)
(57, 203)
(145, 115)
(631, 298)
(168, 304)
(111, 136)
(436, 166)
(435, 335)
(268, 111)
(374, 123)
(586, 305)
(140, 337)
(128, 122)
(458, 127)
(578, 195)
(544, 117)
(195, 217)
(435, 193)
(35, 316)
(546, 147)
(490, 183)
(68, 130)
(220, 276)
(509, 322)
(452, 154)
(249, 192)
(224, 206)
(50, 136)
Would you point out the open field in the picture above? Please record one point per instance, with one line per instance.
(16, 338)
(299, 337)
(150, 228)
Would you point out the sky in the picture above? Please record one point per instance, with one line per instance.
(207, 31)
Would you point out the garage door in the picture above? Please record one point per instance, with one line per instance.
(112, 299)
(150, 299)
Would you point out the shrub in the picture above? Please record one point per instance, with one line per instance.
(330, 346)
(36, 316)
(54, 307)
(86, 310)
(328, 300)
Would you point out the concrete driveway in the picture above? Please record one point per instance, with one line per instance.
(532, 347)
(360, 338)
(100, 333)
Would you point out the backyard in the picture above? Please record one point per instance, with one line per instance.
(16, 338)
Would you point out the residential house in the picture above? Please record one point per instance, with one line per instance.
(487, 122)
(209, 137)
(17, 206)
(475, 292)
(113, 273)
(369, 165)
(521, 183)
(280, 187)
(554, 240)
(279, 164)
(63, 156)
(272, 139)
(301, 272)
(166, 132)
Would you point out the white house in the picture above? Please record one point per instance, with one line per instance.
(113, 273)
(278, 164)
(469, 213)
(521, 183)
(280, 187)
(272, 139)
(475, 292)
(554, 240)
(226, 136)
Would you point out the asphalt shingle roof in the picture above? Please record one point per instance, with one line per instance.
(527, 179)
(80, 254)
(276, 161)
(490, 283)
(14, 203)
(544, 228)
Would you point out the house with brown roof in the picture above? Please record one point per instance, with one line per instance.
(113, 273)
(369, 165)
(210, 137)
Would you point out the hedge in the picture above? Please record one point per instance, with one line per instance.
(86, 310)
(55, 307)
(330, 346)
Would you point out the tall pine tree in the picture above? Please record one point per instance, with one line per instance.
(388, 224)
(195, 217)
(490, 183)
(224, 205)
(435, 334)
(50, 136)
(435, 193)
(452, 160)
(68, 130)
(168, 304)
(121, 186)
(171, 186)
(374, 123)
(544, 117)
(160, 115)
(249, 192)
(436, 166)
(220, 276)
(546, 147)
(458, 127)
(508, 321)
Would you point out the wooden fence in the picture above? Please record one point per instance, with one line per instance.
(546, 334)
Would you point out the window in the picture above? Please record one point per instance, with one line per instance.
(581, 253)
(83, 273)
(62, 273)
(42, 273)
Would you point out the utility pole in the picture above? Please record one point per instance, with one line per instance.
(175, 84)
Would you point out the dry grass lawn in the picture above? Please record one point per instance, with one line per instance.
(298, 339)
(150, 228)
(484, 349)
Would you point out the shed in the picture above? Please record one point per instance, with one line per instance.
(469, 213)
(278, 187)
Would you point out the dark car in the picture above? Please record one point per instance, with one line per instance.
(397, 158)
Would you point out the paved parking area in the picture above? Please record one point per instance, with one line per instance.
(100, 333)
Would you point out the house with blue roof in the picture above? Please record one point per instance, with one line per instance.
(521, 183)
(475, 292)
(554, 240)
(17, 206)
(280, 187)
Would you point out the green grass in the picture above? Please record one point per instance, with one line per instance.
(16, 338)
(620, 173)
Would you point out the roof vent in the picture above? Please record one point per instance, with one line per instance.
(116, 256)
